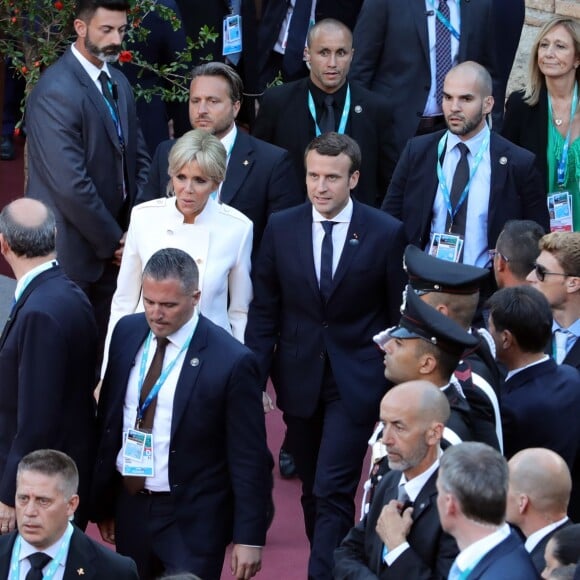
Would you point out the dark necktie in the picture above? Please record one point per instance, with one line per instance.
(460, 179)
(105, 86)
(326, 260)
(293, 60)
(327, 123)
(38, 561)
(135, 484)
(442, 49)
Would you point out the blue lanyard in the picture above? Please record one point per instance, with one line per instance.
(54, 564)
(563, 161)
(446, 22)
(160, 381)
(116, 119)
(444, 189)
(343, 117)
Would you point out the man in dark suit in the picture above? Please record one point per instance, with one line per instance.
(46, 498)
(557, 276)
(401, 537)
(466, 182)
(540, 398)
(182, 464)
(471, 499)
(537, 500)
(292, 114)
(47, 355)
(410, 79)
(87, 158)
(260, 179)
(318, 299)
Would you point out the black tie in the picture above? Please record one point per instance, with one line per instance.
(38, 561)
(104, 80)
(327, 123)
(326, 260)
(460, 179)
(132, 483)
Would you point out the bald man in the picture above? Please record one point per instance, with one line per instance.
(47, 356)
(466, 182)
(401, 537)
(538, 496)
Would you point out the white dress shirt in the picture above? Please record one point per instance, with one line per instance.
(510, 374)
(469, 558)
(534, 539)
(25, 280)
(27, 549)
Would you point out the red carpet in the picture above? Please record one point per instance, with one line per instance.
(285, 556)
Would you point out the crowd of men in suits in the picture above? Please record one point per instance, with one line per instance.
(345, 167)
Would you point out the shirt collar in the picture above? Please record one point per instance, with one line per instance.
(203, 217)
(574, 328)
(473, 144)
(344, 216)
(92, 70)
(516, 371)
(229, 140)
(468, 558)
(30, 275)
(534, 539)
(27, 549)
(414, 486)
(318, 94)
(180, 336)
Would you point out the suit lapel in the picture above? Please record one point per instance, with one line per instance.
(429, 154)
(499, 160)
(192, 365)
(122, 107)
(418, 9)
(305, 249)
(80, 562)
(239, 167)
(6, 554)
(465, 16)
(524, 376)
(573, 357)
(425, 497)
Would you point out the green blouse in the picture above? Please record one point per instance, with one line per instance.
(572, 181)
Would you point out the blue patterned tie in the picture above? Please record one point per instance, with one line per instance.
(326, 260)
(442, 49)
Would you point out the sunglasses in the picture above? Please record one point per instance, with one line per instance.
(541, 272)
(493, 253)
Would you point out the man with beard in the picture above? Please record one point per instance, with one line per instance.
(401, 537)
(454, 190)
(87, 159)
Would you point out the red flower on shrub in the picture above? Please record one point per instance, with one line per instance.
(125, 56)
(58, 5)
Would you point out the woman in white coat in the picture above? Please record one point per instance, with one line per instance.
(217, 236)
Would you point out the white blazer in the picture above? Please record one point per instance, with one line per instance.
(220, 242)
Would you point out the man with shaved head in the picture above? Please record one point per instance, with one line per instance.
(401, 536)
(47, 356)
(454, 190)
(538, 496)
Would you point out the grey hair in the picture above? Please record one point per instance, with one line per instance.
(52, 463)
(173, 263)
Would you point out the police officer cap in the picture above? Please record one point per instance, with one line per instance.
(419, 320)
(432, 274)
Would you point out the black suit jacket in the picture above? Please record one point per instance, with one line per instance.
(285, 120)
(219, 469)
(391, 56)
(292, 330)
(47, 369)
(431, 552)
(507, 561)
(516, 192)
(527, 126)
(86, 559)
(75, 163)
(537, 554)
(259, 180)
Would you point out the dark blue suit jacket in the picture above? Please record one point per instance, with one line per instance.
(95, 561)
(517, 190)
(259, 180)
(431, 552)
(507, 561)
(218, 461)
(47, 378)
(288, 314)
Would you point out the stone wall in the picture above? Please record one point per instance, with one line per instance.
(562, 7)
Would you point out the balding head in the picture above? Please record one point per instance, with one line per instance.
(414, 415)
(539, 489)
(473, 72)
(28, 229)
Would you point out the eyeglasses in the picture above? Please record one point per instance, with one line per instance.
(493, 253)
(541, 272)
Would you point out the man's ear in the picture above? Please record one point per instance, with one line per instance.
(4, 247)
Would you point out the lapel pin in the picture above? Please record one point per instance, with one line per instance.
(194, 362)
(354, 240)
(81, 571)
(246, 162)
(503, 160)
(358, 109)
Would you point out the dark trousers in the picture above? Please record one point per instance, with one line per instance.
(146, 529)
(328, 450)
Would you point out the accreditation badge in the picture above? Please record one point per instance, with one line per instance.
(138, 454)
(232, 34)
(560, 209)
(446, 247)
